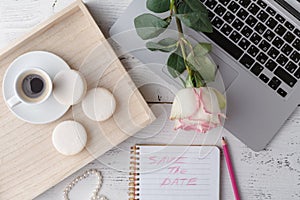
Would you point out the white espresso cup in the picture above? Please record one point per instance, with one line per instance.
(32, 86)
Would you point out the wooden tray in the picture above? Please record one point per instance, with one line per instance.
(29, 164)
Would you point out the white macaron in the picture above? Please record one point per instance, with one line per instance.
(99, 104)
(69, 138)
(69, 87)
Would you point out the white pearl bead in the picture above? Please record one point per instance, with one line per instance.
(85, 175)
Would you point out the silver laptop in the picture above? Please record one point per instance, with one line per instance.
(256, 44)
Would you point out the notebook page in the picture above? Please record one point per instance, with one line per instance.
(179, 172)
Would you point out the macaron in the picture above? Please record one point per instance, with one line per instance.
(99, 104)
(69, 138)
(69, 87)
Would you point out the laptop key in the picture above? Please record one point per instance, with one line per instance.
(287, 49)
(262, 58)
(226, 29)
(285, 76)
(264, 78)
(246, 31)
(220, 10)
(277, 42)
(280, 30)
(262, 15)
(253, 9)
(237, 24)
(297, 32)
(228, 17)
(279, 18)
(271, 65)
(274, 83)
(271, 23)
(261, 4)
(256, 69)
(244, 43)
(269, 35)
(253, 50)
(296, 44)
(242, 13)
(225, 43)
(289, 37)
(210, 15)
(297, 73)
(282, 60)
(224, 2)
(260, 28)
(271, 11)
(235, 36)
(251, 21)
(273, 52)
(255, 38)
(281, 92)
(289, 25)
(233, 7)
(247, 61)
(244, 3)
(211, 3)
(217, 22)
(295, 56)
(264, 45)
(291, 67)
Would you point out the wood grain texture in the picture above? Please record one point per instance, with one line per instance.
(273, 174)
(29, 163)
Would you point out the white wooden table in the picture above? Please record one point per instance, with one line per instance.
(270, 174)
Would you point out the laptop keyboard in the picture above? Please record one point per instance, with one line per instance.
(263, 41)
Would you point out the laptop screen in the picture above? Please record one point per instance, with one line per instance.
(293, 6)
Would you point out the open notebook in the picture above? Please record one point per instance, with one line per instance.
(174, 173)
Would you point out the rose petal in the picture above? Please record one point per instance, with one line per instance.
(209, 106)
(198, 126)
(184, 105)
(196, 109)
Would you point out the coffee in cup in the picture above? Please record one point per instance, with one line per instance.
(32, 86)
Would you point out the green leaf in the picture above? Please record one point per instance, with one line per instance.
(176, 65)
(189, 82)
(194, 15)
(158, 6)
(202, 49)
(149, 26)
(221, 99)
(195, 5)
(164, 45)
(203, 65)
(197, 79)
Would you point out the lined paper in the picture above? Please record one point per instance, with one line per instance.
(179, 172)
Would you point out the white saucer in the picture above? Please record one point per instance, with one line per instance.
(47, 111)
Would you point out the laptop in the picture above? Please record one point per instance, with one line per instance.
(256, 45)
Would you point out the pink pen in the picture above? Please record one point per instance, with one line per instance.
(230, 169)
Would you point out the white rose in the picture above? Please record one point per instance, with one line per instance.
(198, 109)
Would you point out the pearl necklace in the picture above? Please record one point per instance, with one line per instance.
(83, 176)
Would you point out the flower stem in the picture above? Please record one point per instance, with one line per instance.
(172, 3)
(181, 40)
(190, 81)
